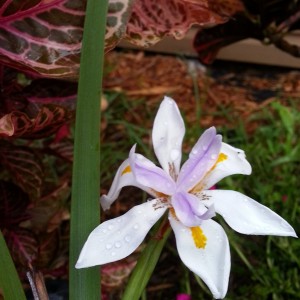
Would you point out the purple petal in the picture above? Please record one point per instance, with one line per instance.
(148, 174)
(201, 159)
(189, 209)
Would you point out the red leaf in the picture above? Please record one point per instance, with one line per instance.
(25, 169)
(13, 204)
(23, 246)
(151, 20)
(46, 122)
(209, 41)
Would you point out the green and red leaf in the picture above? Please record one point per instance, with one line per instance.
(13, 205)
(46, 122)
(151, 20)
(24, 168)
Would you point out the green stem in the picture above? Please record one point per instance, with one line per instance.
(85, 210)
(146, 263)
(9, 280)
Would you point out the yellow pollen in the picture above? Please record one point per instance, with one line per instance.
(126, 170)
(199, 237)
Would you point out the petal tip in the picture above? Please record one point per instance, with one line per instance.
(105, 202)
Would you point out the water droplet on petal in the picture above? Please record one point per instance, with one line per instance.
(113, 253)
(104, 230)
(136, 226)
(204, 148)
(110, 227)
(119, 220)
(127, 238)
(108, 246)
(166, 123)
(174, 154)
(170, 102)
(118, 244)
(194, 151)
(213, 156)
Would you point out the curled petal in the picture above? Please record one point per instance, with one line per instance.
(189, 209)
(123, 177)
(119, 237)
(148, 174)
(201, 159)
(212, 263)
(167, 135)
(246, 215)
(231, 161)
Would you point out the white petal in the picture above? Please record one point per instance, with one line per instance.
(119, 237)
(246, 215)
(167, 135)
(123, 177)
(211, 264)
(235, 162)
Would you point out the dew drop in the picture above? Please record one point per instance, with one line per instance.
(127, 238)
(170, 102)
(213, 156)
(113, 253)
(162, 139)
(104, 230)
(139, 211)
(108, 246)
(110, 227)
(119, 220)
(194, 151)
(118, 244)
(136, 226)
(166, 123)
(204, 148)
(174, 154)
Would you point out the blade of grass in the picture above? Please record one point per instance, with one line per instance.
(146, 264)
(9, 280)
(85, 210)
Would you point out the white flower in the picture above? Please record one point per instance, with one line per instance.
(201, 242)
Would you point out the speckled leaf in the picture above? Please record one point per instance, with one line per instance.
(13, 205)
(24, 167)
(44, 36)
(151, 20)
(46, 122)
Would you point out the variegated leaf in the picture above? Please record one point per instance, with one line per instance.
(151, 20)
(24, 167)
(44, 36)
(46, 122)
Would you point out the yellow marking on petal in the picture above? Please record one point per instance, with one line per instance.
(198, 237)
(199, 186)
(126, 170)
(221, 158)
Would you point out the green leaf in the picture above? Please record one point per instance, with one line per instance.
(85, 210)
(146, 263)
(9, 280)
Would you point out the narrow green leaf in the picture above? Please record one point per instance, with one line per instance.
(9, 280)
(85, 210)
(146, 264)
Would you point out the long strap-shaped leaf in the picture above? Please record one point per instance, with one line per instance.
(147, 262)
(85, 210)
(9, 280)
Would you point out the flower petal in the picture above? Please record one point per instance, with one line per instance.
(167, 135)
(211, 264)
(202, 158)
(190, 210)
(123, 177)
(117, 238)
(247, 216)
(148, 174)
(232, 161)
